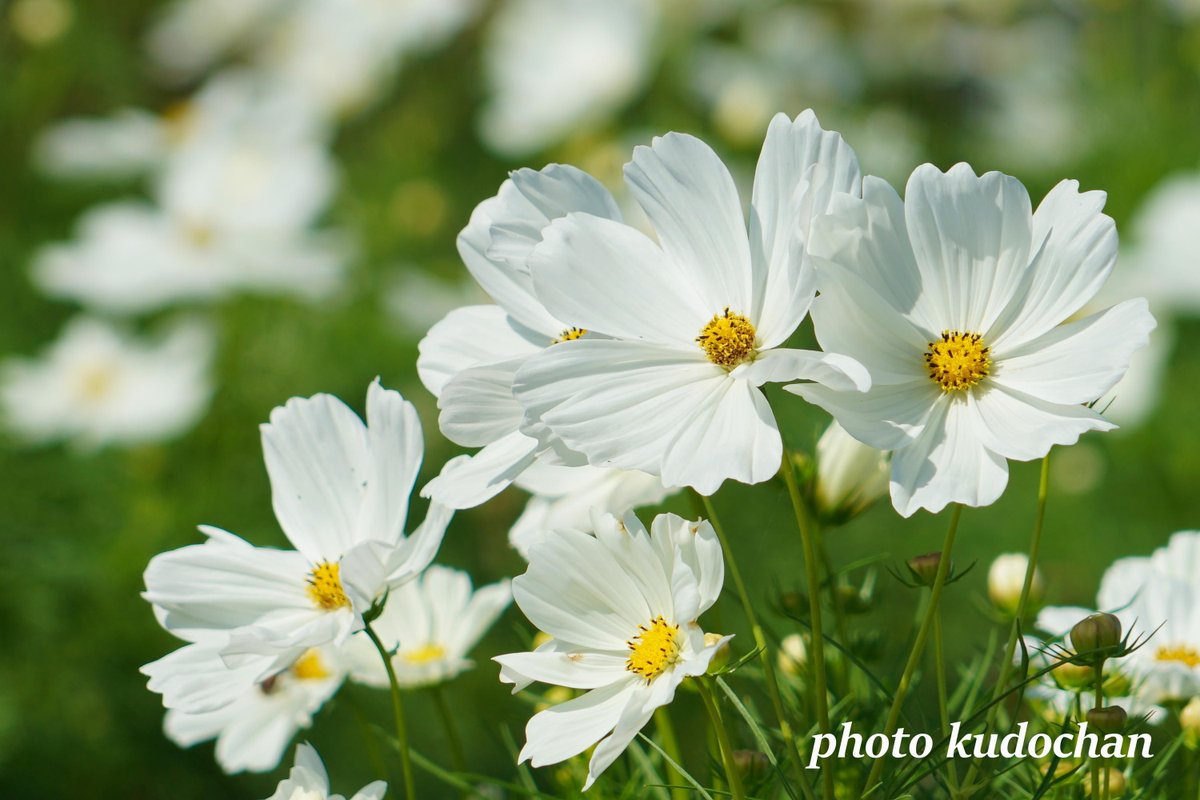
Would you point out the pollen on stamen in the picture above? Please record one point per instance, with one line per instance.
(958, 360)
(325, 587)
(570, 335)
(729, 339)
(654, 649)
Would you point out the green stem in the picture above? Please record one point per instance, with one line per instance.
(943, 703)
(714, 715)
(457, 755)
(666, 731)
(835, 600)
(397, 712)
(1010, 649)
(914, 656)
(811, 567)
(760, 642)
(1099, 765)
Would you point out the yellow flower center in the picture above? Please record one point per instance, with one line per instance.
(653, 649)
(1181, 653)
(96, 382)
(570, 334)
(325, 587)
(424, 654)
(728, 339)
(309, 667)
(958, 360)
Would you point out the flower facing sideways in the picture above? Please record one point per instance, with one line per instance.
(957, 300)
(621, 606)
(340, 492)
(308, 780)
(691, 326)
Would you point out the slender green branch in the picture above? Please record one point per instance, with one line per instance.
(820, 688)
(457, 755)
(732, 775)
(397, 712)
(1098, 765)
(943, 703)
(914, 656)
(666, 730)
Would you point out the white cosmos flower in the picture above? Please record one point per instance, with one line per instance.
(602, 53)
(690, 327)
(956, 301)
(621, 606)
(430, 624)
(563, 499)
(308, 780)
(469, 359)
(1159, 594)
(254, 728)
(97, 385)
(340, 492)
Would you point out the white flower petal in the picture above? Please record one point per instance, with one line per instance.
(692, 202)
(469, 337)
(1080, 361)
(695, 545)
(631, 721)
(194, 678)
(971, 237)
(884, 417)
(397, 448)
(830, 369)
(477, 405)
(1022, 427)
(581, 670)
(569, 728)
(469, 481)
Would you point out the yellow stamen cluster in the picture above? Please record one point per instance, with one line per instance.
(653, 649)
(1181, 653)
(570, 334)
(96, 382)
(958, 361)
(325, 587)
(728, 339)
(309, 667)
(424, 654)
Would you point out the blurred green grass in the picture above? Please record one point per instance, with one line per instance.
(76, 530)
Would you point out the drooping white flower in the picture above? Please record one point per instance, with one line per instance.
(430, 624)
(563, 499)
(469, 359)
(601, 53)
(97, 385)
(621, 606)
(340, 492)
(689, 327)
(956, 301)
(308, 780)
(253, 729)
(850, 475)
(1159, 594)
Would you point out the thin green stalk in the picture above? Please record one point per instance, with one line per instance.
(943, 703)
(397, 712)
(820, 688)
(457, 755)
(835, 601)
(1099, 764)
(1010, 649)
(914, 656)
(760, 642)
(666, 730)
(732, 776)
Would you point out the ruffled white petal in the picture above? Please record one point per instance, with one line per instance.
(469, 337)
(1022, 427)
(830, 369)
(469, 481)
(575, 670)
(477, 405)
(885, 417)
(569, 728)
(397, 448)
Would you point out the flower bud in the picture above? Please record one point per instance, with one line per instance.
(752, 765)
(850, 475)
(924, 568)
(1073, 676)
(1116, 783)
(1006, 579)
(793, 654)
(1096, 632)
(720, 658)
(1107, 719)
(1189, 721)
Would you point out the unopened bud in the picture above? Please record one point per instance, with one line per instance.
(924, 568)
(1073, 676)
(1006, 581)
(793, 654)
(1116, 784)
(1107, 719)
(752, 765)
(1189, 721)
(850, 475)
(1096, 632)
(720, 658)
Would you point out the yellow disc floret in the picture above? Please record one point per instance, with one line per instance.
(424, 654)
(309, 667)
(570, 334)
(325, 587)
(1179, 653)
(728, 339)
(653, 649)
(958, 360)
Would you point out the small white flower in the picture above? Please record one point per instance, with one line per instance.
(691, 326)
(564, 497)
(1162, 233)
(601, 53)
(192, 35)
(850, 475)
(1006, 580)
(97, 385)
(956, 301)
(430, 624)
(253, 729)
(340, 492)
(308, 780)
(621, 606)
